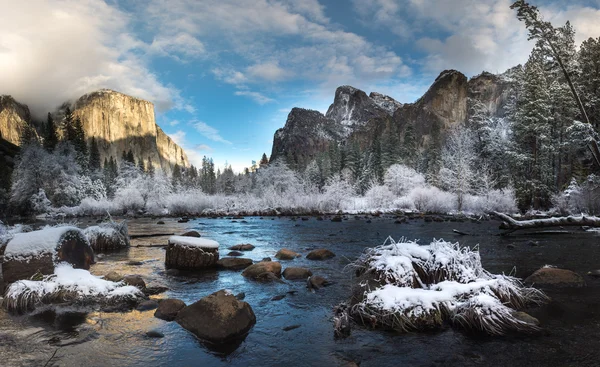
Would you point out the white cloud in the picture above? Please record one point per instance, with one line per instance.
(57, 50)
(178, 137)
(268, 71)
(209, 132)
(256, 96)
(174, 45)
(203, 148)
(276, 41)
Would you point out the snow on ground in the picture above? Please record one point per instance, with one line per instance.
(193, 242)
(36, 243)
(66, 278)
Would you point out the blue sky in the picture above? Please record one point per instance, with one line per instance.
(223, 74)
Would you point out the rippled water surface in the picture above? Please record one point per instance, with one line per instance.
(571, 320)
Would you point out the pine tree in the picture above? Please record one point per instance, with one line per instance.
(69, 132)
(409, 147)
(150, 167)
(176, 176)
(50, 138)
(264, 161)
(532, 158)
(141, 165)
(94, 156)
(589, 78)
(129, 157)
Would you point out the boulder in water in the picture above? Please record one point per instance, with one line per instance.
(253, 271)
(555, 277)
(168, 309)
(286, 254)
(217, 318)
(320, 254)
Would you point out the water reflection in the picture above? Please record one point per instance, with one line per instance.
(572, 319)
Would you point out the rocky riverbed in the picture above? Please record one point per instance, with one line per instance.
(294, 323)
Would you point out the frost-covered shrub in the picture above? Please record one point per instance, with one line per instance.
(400, 179)
(188, 202)
(40, 203)
(336, 191)
(502, 200)
(432, 199)
(278, 179)
(404, 202)
(579, 198)
(379, 197)
(129, 199)
(95, 207)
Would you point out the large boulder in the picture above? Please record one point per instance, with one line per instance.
(554, 277)
(168, 309)
(234, 263)
(217, 318)
(294, 273)
(286, 254)
(320, 254)
(192, 233)
(253, 271)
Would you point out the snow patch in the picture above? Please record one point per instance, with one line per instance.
(36, 243)
(193, 242)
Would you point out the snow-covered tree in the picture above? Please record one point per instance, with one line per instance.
(400, 179)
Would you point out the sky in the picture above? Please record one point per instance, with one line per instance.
(224, 74)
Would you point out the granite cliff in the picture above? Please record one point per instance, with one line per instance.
(358, 118)
(117, 121)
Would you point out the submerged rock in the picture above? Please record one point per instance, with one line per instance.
(554, 277)
(233, 263)
(317, 282)
(168, 309)
(295, 273)
(153, 290)
(147, 305)
(242, 247)
(217, 318)
(526, 318)
(235, 253)
(320, 254)
(154, 334)
(191, 234)
(253, 271)
(286, 254)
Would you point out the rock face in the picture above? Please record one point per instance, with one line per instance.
(355, 118)
(120, 122)
(117, 121)
(14, 118)
(217, 318)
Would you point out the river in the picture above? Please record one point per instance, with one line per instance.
(571, 320)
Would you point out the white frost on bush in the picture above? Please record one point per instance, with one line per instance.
(193, 242)
(78, 283)
(420, 283)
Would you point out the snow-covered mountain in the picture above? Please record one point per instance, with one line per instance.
(355, 117)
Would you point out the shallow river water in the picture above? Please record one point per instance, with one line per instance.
(571, 320)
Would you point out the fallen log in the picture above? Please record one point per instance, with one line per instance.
(512, 224)
(40, 251)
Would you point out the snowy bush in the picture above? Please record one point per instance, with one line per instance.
(336, 191)
(409, 287)
(432, 199)
(400, 179)
(40, 203)
(503, 200)
(379, 197)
